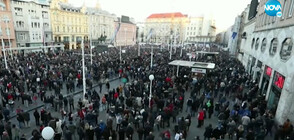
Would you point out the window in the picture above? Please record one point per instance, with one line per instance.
(18, 11)
(21, 36)
(3, 7)
(279, 80)
(7, 31)
(273, 47)
(257, 44)
(284, 9)
(44, 14)
(290, 11)
(32, 25)
(286, 50)
(263, 45)
(253, 40)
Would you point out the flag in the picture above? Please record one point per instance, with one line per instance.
(115, 32)
(234, 35)
(150, 33)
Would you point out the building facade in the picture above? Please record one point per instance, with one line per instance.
(101, 25)
(6, 25)
(126, 35)
(69, 24)
(200, 30)
(268, 57)
(166, 27)
(235, 39)
(32, 23)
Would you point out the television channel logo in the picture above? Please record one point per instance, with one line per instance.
(273, 8)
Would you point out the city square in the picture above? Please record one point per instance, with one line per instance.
(71, 70)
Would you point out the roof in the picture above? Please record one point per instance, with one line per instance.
(192, 64)
(69, 6)
(41, 2)
(166, 15)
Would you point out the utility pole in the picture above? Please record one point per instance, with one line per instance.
(6, 19)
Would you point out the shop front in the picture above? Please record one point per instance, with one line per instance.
(275, 92)
(266, 78)
(258, 73)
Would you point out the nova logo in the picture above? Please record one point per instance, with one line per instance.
(273, 8)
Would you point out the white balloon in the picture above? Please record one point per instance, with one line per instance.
(47, 133)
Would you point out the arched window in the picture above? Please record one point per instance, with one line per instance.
(273, 47)
(252, 44)
(257, 44)
(286, 50)
(263, 45)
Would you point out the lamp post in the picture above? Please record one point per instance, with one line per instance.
(170, 48)
(151, 63)
(138, 49)
(182, 49)
(3, 50)
(151, 78)
(91, 40)
(84, 75)
(6, 20)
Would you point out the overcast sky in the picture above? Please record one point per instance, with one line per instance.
(223, 11)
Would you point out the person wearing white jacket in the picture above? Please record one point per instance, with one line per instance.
(178, 136)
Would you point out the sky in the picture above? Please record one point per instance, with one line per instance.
(223, 11)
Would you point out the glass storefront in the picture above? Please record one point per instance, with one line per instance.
(275, 92)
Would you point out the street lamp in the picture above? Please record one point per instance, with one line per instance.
(151, 78)
(91, 26)
(3, 49)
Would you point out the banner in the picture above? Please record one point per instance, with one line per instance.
(197, 70)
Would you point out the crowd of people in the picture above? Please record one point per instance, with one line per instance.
(226, 93)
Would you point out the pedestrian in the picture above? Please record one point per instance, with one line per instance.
(200, 118)
(15, 132)
(208, 132)
(37, 117)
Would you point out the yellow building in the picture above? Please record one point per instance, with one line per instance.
(69, 24)
(166, 26)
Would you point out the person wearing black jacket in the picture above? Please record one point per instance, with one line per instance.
(129, 132)
(140, 132)
(208, 132)
(121, 134)
(37, 117)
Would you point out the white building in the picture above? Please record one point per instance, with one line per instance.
(31, 22)
(140, 32)
(268, 56)
(101, 23)
(200, 30)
